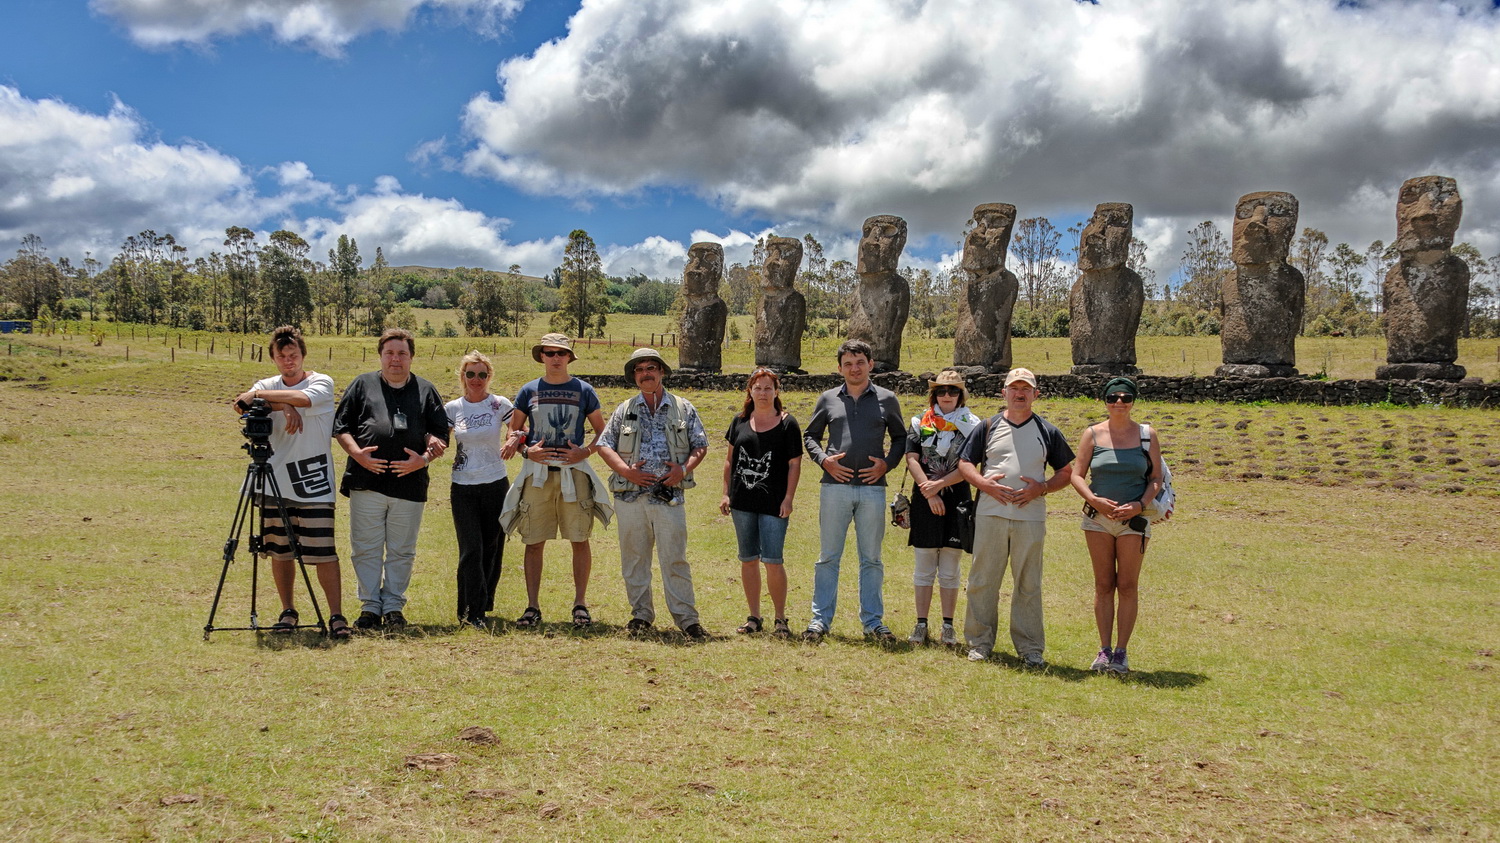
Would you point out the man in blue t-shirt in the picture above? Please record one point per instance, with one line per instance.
(555, 406)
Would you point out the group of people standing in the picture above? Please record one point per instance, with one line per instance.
(978, 484)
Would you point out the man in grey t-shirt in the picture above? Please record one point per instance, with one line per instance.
(857, 418)
(1005, 460)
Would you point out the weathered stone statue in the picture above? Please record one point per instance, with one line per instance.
(700, 343)
(883, 298)
(781, 316)
(1427, 291)
(1104, 307)
(982, 337)
(1264, 295)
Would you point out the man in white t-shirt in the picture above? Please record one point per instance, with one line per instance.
(303, 468)
(1005, 460)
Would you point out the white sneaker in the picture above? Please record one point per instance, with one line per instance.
(918, 634)
(977, 655)
(950, 635)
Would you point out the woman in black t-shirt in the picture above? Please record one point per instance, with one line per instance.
(761, 471)
(933, 446)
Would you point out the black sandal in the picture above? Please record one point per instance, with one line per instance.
(532, 617)
(339, 632)
(751, 626)
(782, 629)
(581, 617)
(282, 626)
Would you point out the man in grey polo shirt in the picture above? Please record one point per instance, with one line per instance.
(1005, 460)
(857, 418)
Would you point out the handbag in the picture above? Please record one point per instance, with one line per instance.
(965, 510)
(901, 508)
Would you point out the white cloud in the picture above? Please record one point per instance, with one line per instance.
(84, 182)
(323, 25)
(832, 110)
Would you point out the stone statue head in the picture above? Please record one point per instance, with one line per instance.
(783, 259)
(880, 244)
(1105, 242)
(1427, 213)
(1264, 225)
(987, 242)
(705, 269)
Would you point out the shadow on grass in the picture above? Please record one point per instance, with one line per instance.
(1164, 679)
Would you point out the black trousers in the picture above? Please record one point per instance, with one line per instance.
(476, 519)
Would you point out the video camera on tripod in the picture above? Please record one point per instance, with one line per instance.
(259, 491)
(257, 429)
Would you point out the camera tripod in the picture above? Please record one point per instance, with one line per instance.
(252, 508)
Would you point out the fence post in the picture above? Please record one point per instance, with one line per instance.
(174, 354)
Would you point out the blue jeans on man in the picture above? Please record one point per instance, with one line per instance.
(839, 504)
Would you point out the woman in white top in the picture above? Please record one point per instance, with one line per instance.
(479, 421)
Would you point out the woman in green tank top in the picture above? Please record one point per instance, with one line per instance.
(1116, 477)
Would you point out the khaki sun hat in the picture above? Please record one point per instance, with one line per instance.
(948, 377)
(554, 341)
(645, 354)
(1023, 375)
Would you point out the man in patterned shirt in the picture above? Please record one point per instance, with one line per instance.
(652, 442)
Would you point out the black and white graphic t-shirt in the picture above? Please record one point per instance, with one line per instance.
(757, 478)
(302, 461)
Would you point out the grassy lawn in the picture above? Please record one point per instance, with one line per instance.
(1314, 658)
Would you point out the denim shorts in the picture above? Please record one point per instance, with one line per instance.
(761, 537)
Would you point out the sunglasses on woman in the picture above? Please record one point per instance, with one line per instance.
(1118, 397)
(472, 375)
(947, 390)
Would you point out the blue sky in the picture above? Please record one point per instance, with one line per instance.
(654, 123)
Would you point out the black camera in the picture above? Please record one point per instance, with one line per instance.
(257, 429)
(661, 492)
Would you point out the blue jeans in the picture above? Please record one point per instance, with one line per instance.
(760, 536)
(838, 504)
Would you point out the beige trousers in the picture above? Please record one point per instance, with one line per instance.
(643, 525)
(998, 542)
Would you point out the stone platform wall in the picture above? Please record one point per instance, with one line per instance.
(1181, 390)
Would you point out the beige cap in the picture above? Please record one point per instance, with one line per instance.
(553, 341)
(1024, 375)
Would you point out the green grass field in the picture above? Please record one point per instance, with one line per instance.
(1314, 660)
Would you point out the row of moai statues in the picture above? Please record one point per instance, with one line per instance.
(1425, 293)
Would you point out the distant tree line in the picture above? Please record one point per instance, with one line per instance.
(251, 286)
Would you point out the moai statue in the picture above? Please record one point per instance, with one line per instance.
(781, 316)
(1104, 307)
(1427, 291)
(700, 344)
(1264, 295)
(883, 298)
(983, 331)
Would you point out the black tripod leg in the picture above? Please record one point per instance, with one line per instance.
(236, 526)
